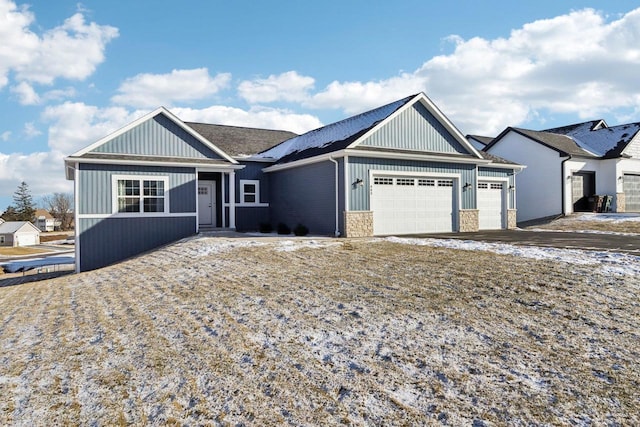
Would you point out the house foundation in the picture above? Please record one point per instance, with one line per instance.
(469, 220)
(358, 224)
(620, 202)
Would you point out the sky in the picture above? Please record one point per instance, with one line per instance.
(73, 72)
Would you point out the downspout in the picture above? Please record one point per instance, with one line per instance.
(563, 182)
(337, 230)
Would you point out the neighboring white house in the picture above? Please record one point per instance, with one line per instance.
(567, 166)
(44, 221)
(18, 233)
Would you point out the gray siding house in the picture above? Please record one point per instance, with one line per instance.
(402, 168)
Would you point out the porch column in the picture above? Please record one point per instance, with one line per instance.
(232, 200)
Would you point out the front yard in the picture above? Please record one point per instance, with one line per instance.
(315, 332)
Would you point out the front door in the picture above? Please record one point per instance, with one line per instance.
(207, 203)
(583, 186)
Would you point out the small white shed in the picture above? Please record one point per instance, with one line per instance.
(19, 233)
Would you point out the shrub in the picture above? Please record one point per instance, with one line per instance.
(300, 230)
(265, 227)
(283, 228)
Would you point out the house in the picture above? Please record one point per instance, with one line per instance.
(479, 142)
(402, 168)
(567, 166)
(18, 233)
(44, 221)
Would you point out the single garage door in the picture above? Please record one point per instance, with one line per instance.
(631, 188)
(491, 205)
(408, 205)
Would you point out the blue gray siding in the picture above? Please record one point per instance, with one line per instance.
(106, 241)
(359, 167)
(253, 170)
(305, 195)
(158, 136)
(500, 173)
(415, 129)
(96, 192)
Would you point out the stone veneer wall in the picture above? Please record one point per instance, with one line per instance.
(358, 224)
(620, 202)
(469, 220)
(511, 219)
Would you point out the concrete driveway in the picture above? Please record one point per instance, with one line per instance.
(556, 239)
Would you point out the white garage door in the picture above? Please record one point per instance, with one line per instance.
(631, 184)
(408, 205)
(26, 239)
(491, 205)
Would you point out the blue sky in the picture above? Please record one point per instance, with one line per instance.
(71, 73)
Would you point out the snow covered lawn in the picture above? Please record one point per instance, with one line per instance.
(329, 331)
(596, 222)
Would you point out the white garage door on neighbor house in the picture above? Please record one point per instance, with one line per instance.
(631, 184)
(412, 204)
(491, 205)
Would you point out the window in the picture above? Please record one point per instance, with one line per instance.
(140, 194)
(483, 185)
(249, 191)
(496, 186)
(445, 183)
(404, 181)
(427, 182)
(382, 181)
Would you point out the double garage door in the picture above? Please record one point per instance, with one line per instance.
(631, 188)
(408, 205)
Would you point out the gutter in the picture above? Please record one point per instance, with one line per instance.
(337, 230)
(562, 186)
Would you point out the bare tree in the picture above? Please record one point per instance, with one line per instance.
(60, 206)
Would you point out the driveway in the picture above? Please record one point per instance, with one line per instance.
(556, 239)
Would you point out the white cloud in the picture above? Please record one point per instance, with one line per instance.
(74, 125)
(26, 94)
(30, 130)
(256, 117)
(154, 90)
(4, 136)
(289, 86)
(71, 50)
(17, 167)
(578, 63)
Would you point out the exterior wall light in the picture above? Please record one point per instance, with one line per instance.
(466, 186)
(359, 183)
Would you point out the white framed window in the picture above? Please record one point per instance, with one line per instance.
(249, 191)
(140, 195)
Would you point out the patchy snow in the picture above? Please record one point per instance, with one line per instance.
(605, 217)
(609, 262)
(601, 140)
(338, 131)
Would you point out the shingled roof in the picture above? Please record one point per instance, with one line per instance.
(563, 144)
(240, 141)
(333, 137)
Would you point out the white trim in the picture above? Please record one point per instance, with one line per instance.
(411, 156)
(435, 111)
(141, 213)
(256, 193)
(255, 159)
(384, 155)
(135, 215)
(170, 116)
(203, 167)
(76, 203)
(222, 197)
(232, 200)
(197, 207)
(347, 183)
(249, 205)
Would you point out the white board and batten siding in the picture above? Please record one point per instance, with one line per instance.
(413, 204)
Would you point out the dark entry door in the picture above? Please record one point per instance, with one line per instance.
(583, 186)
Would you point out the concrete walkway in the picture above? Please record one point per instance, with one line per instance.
(556, 239)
